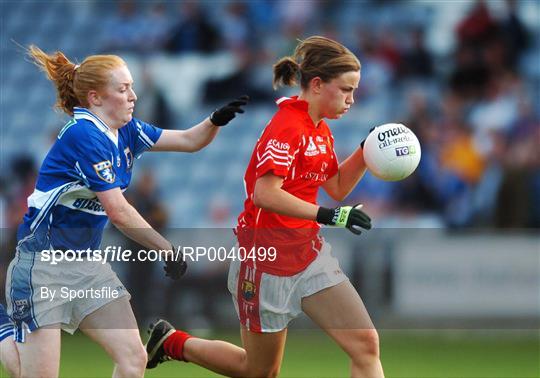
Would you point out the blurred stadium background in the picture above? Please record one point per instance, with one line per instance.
(451, 275)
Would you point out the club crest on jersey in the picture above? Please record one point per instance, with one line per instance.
(21, 309)
(312, 149)
(248, 290)
(129, 158)
(104, 171)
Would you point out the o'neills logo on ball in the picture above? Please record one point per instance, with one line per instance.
(398, 134)
(392, 133)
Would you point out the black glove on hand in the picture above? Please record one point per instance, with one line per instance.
(351, 217)
(364, 141)
(225, 114)
(175, 266)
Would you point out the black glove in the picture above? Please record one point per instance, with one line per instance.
(175, 265)
(350, 217)
(364, 141)
(223, 115)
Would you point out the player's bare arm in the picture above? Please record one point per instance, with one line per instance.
(200, 135)
(190, 140)
(129, 221)
(269, 196)
(349, 174)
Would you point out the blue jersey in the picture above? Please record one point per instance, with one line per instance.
(64, 211)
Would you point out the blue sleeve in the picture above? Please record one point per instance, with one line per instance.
(94, 155)
(143, 135)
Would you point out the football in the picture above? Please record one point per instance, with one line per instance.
(392, 152)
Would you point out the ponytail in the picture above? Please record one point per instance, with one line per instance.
(286, 72)
(61, 71)
(73, 81)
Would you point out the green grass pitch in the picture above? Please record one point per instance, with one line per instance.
(310, 353)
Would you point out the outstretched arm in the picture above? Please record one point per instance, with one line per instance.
(200, 135)
(190, 140)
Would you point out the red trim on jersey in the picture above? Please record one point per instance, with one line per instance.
(249, 284)
(294, 148)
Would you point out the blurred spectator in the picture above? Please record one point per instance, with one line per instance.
(193, 31)
(21, 185)
(514, 33)
(477, 27)
(376, 72)
(386, 48)
(416, 194)
(123, 31)
(459, 155)
(517, 201)
(234, 26)
(417, 60)
(155, 28)
(297, 12)
(470, 74)
(246, 79)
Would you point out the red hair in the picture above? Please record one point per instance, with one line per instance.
(72, 81)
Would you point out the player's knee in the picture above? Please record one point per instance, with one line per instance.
(132, 359)
(365, 345)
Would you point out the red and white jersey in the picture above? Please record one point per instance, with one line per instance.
(292, 147)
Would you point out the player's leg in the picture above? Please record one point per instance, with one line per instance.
(261, 356)
(340, 312)
(9, 356)
(39, 355)
(38, 351)
(264, 352)
(114, 327)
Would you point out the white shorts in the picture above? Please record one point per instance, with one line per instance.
(267, 303)
(40, 294)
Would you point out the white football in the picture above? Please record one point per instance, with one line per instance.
(392, 152)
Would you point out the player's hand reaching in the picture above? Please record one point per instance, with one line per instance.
(351, 217)
(175, 265)
(223, 115)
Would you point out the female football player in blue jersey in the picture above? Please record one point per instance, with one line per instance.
(78, 189)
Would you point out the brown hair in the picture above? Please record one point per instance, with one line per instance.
(314, 56)
(73, 81)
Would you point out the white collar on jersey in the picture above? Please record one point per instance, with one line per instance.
(83, 113)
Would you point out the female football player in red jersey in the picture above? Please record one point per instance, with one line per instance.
(292, 159)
